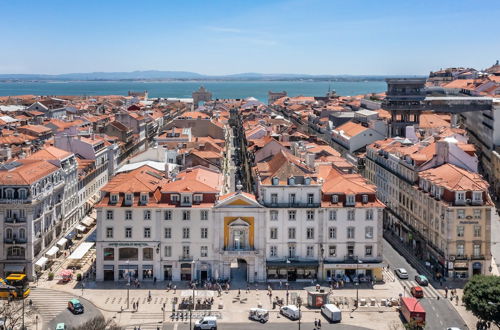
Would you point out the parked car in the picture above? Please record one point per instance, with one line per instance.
(401, 272)
(417, 292)
(75, 306)
(331, 312)
(290, 311)
(259, 314)
(422, 280)
(207, 322)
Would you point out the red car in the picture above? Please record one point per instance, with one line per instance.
(417, 292)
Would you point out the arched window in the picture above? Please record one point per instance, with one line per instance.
(8, 233)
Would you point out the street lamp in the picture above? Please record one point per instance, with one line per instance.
(286, 284)
(128, 285)
(322, 249)
(192, 307)
(357, 283)
(299, 303)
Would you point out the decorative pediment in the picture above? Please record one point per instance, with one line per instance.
(238, 200)
(239, 223)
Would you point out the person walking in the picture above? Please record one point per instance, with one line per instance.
(315, 324)
(319, 323)
(446, 292)
(281, 285)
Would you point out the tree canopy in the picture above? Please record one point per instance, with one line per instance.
(482, 297)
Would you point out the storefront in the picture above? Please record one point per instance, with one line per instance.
(292, 270)
(126, 272)
(167, 272)
(186, 271)
(109, 273)
(477, 268)
(338, 270)
(147, 272)
(460, 269)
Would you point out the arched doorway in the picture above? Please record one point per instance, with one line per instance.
(477, 268)
(239, 271)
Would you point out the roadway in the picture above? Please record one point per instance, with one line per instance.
(250, 325)
(440, 313)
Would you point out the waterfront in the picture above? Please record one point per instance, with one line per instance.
(220, 89)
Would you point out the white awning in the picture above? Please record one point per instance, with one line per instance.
(41, 262)
(52, 251)
(62, 242)
(81, 251)
(81, 227)
(88, 221)
(13, 268)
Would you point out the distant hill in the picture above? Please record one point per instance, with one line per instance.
(178, 75)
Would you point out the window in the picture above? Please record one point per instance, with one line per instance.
(128, 232)
(310, 198)
(310, 251)
(477, 231)
(109, 254)
(477, 196)
(460, 249)
(167, 215)
(174, 198)
(186, 199)
(185, 251)
(350, 215)
(273, 251)
(168, 251)
(332, 215)
(128, 198)
(274, 215)
(147, 253)
(351, 199)
(365, 199)
(310, 215)
(198, 198)
(332, 250)
(204, 251)
(147, 232)
(476, 249)
(167, 233)
(368, 250)
(350, 232)
(204, 232)
(291, 251)
(335, 198)
(291, 199)
(185, 232)
(109, 215)
(274, 198)
(291, 215)
(204, 215)
(332, 232)
(477, 213)
(460, 196)
(128, 215)
(273, 233)
(310, 233)
(147, 215)
(369, 232)
(144, 198)
(291, 233)
(186, 215)
(369, 215)
(350, 250)
(460, 231)
(109, 232)
(461, 214)
(128, 254)
(114, 198)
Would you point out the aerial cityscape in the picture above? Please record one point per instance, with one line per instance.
(210, 165)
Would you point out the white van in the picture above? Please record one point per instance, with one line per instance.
(290, 311)
(331, 312)
(207, 322)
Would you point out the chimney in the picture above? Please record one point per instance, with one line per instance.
(442, 152)
(310, 158)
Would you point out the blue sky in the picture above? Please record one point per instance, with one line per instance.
(233, 36)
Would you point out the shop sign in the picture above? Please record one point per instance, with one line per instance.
(354, 266)
(460, 265)
(469, 222)
(450, 265)
(128, 244)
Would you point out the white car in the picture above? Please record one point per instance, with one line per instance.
(207, 322)
(290, 311)
(402, 273)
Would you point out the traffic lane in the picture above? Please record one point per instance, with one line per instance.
(439, 313)
(72, 320)
(270, 325)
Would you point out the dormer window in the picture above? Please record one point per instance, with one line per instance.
(144, 198)
(351, 199)
(460, 196)
(22, 193)
(175, 198)
(186, 199)
(128, 198)
(114, 198)
(365, 199)
(477, 196)
(276, 181)
(335, 198)
(291, 181)
(307, 180)
(197, 198)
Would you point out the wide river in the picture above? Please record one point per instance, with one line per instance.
(219, 89)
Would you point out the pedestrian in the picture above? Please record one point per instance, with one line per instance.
(248, 288)
(239, 292)
(456, 300)
(446, 292)
(154, 280)
(137, 305)
(319, 323)
(281, 285)
(315, 323)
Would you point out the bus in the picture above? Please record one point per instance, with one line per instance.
(20, 284)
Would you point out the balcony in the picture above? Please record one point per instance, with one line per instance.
(186, 258)
(14, 240)
(292, 205)
(15, 220)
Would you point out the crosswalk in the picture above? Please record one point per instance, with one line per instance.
(429, 290)
(49, 303)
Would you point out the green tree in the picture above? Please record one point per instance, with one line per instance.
(97, 323)
(482, 297)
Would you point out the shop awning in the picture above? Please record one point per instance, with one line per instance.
(88, 221)
(70, 235)
(81, 251)
(62, 242)
(292, 264)
(81, 227)
(14, 268)
(41, 262)
(52, 251)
